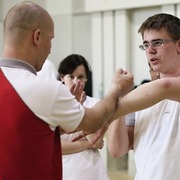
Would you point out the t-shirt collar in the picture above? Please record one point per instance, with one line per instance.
(16, 63)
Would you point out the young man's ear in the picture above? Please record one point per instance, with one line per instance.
(178, 41)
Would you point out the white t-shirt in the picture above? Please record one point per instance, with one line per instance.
(48, 70)
(87, 164)
(157, 142)
(47, 98)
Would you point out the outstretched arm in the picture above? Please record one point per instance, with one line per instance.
(102, 111)
(149, 94)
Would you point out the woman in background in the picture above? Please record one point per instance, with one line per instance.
(81, 160)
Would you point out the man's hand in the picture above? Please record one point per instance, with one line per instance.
(98, 145)
(122, 81)
(98, 136)
(80, 136)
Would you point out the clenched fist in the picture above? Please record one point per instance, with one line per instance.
(122, 81)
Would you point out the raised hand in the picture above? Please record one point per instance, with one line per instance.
(122, 81)
(77, 90)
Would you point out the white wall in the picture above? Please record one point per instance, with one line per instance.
(72, 35)
(97, 55)
(89, 6)
(62, 43)
(81, 35)
(56, 7)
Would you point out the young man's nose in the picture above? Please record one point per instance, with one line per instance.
(150, 49)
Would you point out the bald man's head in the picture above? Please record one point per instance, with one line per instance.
(24, 17)
(28, 31)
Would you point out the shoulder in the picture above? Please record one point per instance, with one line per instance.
(48, 70)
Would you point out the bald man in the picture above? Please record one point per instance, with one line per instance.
(33, 108)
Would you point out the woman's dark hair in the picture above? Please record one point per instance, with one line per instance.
(71, 62)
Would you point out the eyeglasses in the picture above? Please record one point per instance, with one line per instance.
(155, 44)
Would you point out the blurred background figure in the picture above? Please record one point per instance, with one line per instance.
(81, 160)
(154, 75)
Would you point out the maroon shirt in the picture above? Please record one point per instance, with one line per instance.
(29, 149)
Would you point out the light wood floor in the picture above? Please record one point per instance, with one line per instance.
(119, 175)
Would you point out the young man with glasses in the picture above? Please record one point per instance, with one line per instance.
(155, 133)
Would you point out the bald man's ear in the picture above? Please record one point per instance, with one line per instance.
(37, 36)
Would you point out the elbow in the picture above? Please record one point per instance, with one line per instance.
(166, 84)
(115, 153)
(166, 87)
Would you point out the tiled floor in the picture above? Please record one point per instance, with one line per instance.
(119, 175)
